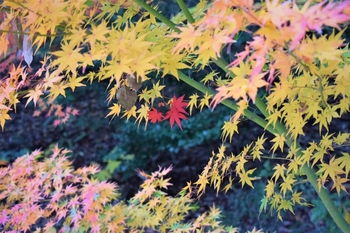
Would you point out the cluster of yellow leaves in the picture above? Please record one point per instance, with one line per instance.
(296, 99)
(280, 192)
(87, 36)
(336, 169)
(203, 102)
(153, 208)
(232, 166)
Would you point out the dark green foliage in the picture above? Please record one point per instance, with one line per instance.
(159, 138)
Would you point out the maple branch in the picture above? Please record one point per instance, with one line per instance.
(186, 11)
(23, 6)
(267, 157)
(158, 15)
(323, 193)
(36, 34)
(320, 88)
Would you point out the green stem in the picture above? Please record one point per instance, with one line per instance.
(279, 127)
(323, 193)
(250, 115)
(186, 11)
(23, 6)
(262, 107)
(268, 157)
(36, 34)
(320, 88)
(157, 15)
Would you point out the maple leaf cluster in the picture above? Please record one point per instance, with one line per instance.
(41, 193)
(32, 189)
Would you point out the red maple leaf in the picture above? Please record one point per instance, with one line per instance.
(155, 116)
(176, 111)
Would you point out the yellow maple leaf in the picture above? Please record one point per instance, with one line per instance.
(173, 63)
(204, 101)
(295, 164)
(142, 64)
(187, 38)
(287, 184)
(193, 102)
(115, 110)
(338, 184)
(74, 82)
(332, 169)
(279, 172)
(129, 113)
(270, 188)
(204, 54)
(209, 77)
(68, 58)
(344, 161)
(228, 129)
(278, 142)
(202, 182)
(3, 117)
(254, 84)
(58, 89)
(245, 179)
(142, 114)
(97, 33)
(155, 92)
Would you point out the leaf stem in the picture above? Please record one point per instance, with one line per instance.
(158, 15)
(186, 11)
(36, 34)
(319, 78)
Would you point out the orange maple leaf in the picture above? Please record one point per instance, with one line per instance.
(34, 95)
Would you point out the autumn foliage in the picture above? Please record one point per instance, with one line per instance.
(46, 190)
(291, 72)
